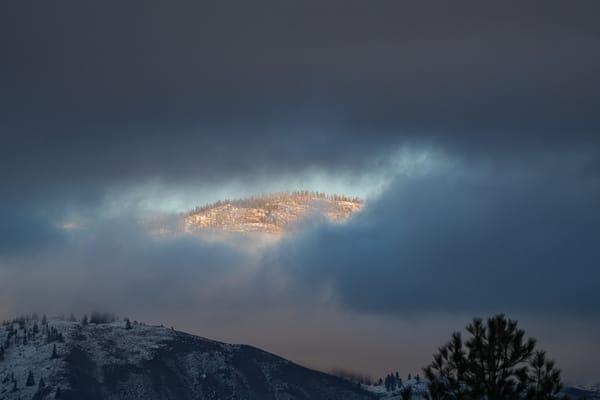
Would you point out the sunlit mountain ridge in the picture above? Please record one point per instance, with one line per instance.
(271, 213)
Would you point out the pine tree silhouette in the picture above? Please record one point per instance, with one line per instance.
(496, 363)
(543, 379)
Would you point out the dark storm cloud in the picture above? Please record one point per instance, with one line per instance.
(100, 93)
(25, 228)
(100, 97)
(463, 239)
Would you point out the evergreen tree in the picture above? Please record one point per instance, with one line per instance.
(390, 383)
(543, 380)
(127, 323)
(30, 379)
(386, 383)
(448, 371)
(54, 354)
(497, 351)
(406, 393)
(496, 363)
(84, 320)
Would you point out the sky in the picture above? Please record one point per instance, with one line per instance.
(471, 130)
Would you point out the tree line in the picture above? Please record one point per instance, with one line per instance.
(266, 200)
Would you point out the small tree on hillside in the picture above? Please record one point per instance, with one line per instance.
(30, 379)
(406, 393)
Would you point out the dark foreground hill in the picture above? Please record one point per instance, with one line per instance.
(69, 360)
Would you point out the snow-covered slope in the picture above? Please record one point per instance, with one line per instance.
(109, 361)
(418, 389)
(591, 392)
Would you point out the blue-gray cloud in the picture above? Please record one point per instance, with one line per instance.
(463, 239)
(458, 237)
(26, 228)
